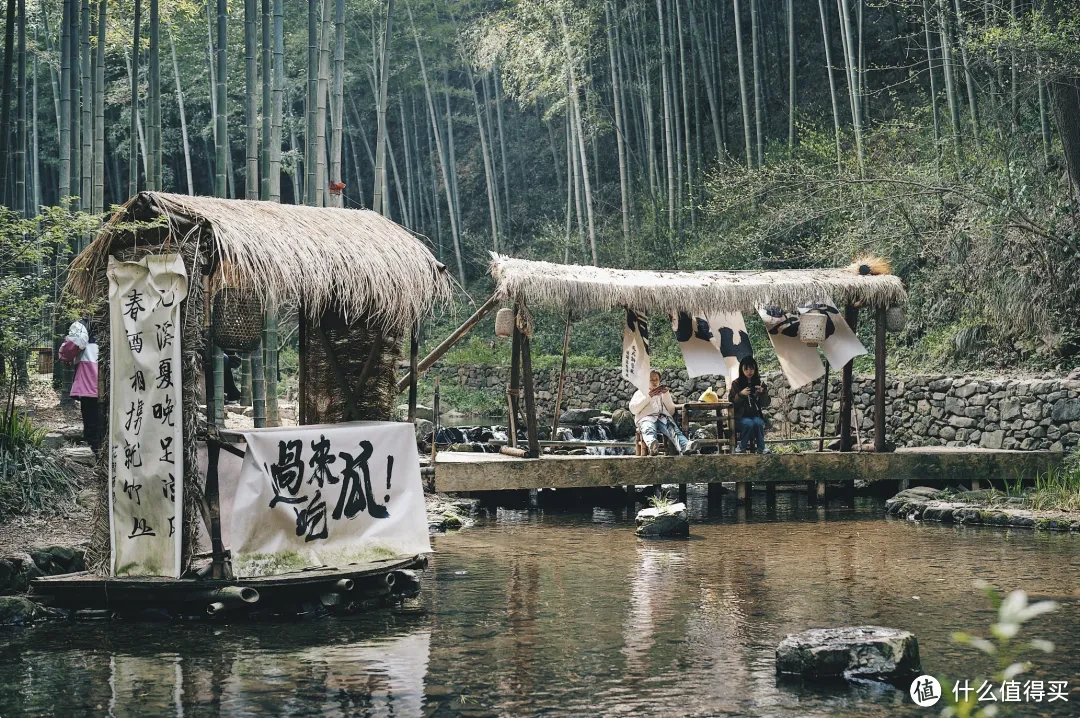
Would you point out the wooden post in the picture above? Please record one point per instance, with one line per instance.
(682, 493)
(218, 568)
(513, 391)
(530, 397)
(740, 492)
(770, 494)
(811, 493)
(821, 491)
(879, 379)
(824, 407)
(414, 351)
(851, 316)
(434, 421)
(301, 368)
(562, 375)
(450, 341)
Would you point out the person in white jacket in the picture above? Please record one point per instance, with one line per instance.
(654, 414)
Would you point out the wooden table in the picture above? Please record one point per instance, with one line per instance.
(719, 411)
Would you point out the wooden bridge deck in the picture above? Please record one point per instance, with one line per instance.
(464, 471)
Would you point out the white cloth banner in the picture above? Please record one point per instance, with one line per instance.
(840, 345)
(146, 455)
(327, 495)
(695, 337)
(801, 364)
(730, 337)
(635, 352)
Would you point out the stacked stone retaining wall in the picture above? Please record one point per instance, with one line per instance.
(921, 410)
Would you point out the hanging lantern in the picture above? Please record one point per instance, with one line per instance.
(812, 328)
(895, 319)
(504, 322)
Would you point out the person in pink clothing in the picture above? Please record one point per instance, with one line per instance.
(79, 347)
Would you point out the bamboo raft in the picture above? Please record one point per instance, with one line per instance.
(325, 589)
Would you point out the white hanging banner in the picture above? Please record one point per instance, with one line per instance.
(800, 363)
(327, 495)
(635, 353)
(695, 337)
(730, 337)
(146, 457)
(840, 345)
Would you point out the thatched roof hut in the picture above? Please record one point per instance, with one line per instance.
(587, 288)
(356, 262)
(361, 282)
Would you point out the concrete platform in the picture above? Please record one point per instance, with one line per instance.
(462, 471)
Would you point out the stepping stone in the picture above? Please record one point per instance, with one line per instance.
(666, 521)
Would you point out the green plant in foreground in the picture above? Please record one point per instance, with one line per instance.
(661, 500)
(32, 477)
(1005, 648)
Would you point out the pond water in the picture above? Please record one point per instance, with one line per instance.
(567, 613)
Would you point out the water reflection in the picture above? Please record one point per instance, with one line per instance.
(567, 613)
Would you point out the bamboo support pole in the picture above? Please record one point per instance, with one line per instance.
(824, 407)
(851, 316)
(530, 397)
(451, 340)
(562, 374)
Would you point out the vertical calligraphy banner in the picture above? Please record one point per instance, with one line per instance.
(636, 364)
(327, 495)
(145, 416)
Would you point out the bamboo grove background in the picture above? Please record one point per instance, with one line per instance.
(944, 134)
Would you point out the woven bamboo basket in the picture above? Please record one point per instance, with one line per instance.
(812, 328)
(237, 320)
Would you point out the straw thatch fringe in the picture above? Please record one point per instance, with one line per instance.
(586, 288)
(355, 261)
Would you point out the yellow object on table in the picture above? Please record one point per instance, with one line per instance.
(709, 396)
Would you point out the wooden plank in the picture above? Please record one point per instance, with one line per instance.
(490, 472)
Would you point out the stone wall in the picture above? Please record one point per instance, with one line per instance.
(922, 410)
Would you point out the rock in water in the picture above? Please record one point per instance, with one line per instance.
(664, 521)
(622, 424)
(871, 652)
(578, 416)
(15, 610)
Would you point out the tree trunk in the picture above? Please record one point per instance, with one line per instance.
(278, 91)
(950, 91)
(378, 202)
(832, 82)
(502, 148)
(759, 100)
(221, 163)
(576, 110)
(710, 88)
(665, 90)
(973, 102)
(153, 178)
(742, 86)
(616, 90)
(686, 117)
(489, 180)
(75, 38)
(433, 116)
(339, 99)
(98, 203)
(933, 84)
(793, 95)
(251, 108)
(1066, 95)
(65, 104)
(310, 185)
(853, 81)
(19, 204)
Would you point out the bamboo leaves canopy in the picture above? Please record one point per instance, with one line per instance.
(355, 261)
(587, 288)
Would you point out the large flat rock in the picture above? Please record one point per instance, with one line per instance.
(873, 652)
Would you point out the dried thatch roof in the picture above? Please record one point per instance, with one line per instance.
(586, 288)
(355, 260)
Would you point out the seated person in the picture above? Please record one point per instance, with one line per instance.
(654, 412)
(749, 396)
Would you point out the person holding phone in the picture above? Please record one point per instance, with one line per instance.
(749, 396)
(654, 414)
